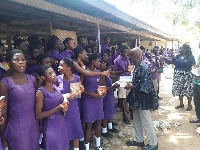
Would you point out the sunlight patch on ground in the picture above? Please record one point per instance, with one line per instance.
(173, 116)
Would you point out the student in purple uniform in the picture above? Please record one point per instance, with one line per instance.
(106, 44)
(116, 52)
(143, 53)
(92, 43)
(159, 65)
(21, 129)
(121, 64)
(108, 104)
(69, 47)
(152, 65)
(50, 107)
(80, 56)
(3, 69)
(34, 52)
(106, 56)
(23, 46)
(82, 42)
(92, 103)
(43, 59)
(72, 117)
(55, 46)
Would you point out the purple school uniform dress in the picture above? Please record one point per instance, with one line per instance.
(121, 64)
(57, 56)
(2, 73)
(67, 53)
(54, 126)
(32, 70)
(92, 108)
(104, 46)
(80, 46)
(109, 101)
(72, 118)
(152, 65)
(22, 129)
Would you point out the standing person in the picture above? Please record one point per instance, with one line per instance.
(196, 94)
(82, 42)
(121, 64)
(92, 103)
(3, 64)
(152, 65)
(21, 129)
(55, 46)
(50, 107)
(159, 65)
(143, 53)
(108, 104)
(34, 52)
(69, 47)
(72, 118)
(142, 98)
(183, 78)
(106, 44)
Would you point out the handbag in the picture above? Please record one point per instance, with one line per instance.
(160, 69)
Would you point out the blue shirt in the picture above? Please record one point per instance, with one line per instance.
(183, 64)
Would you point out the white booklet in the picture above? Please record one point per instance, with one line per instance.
(195, 71)
(1, 97)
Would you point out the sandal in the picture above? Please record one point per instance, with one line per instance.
(179, 106)
(126, 120)
(189, 108)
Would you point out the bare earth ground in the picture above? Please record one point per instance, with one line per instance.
(183, 137)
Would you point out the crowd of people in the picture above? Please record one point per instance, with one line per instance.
(42, 111)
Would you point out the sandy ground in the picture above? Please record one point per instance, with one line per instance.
(183, 137)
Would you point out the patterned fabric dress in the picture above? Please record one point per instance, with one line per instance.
(183, 77)
(143, 96)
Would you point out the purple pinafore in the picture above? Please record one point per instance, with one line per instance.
(92, 108)
(22, 129)
(72, 117)
(109, 101)
(54, 126)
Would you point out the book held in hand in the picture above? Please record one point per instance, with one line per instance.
(2, 105)
(102, 90)
(75, 89)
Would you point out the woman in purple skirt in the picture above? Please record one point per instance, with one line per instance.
(108, 104)
(72, 117)
(50, 107)
(92, 103)
(20, 128)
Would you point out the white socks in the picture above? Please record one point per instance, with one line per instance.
(81, 139)
(104, 130)
(87, 147)
(76, 148)
(97, 141)
(109, 125)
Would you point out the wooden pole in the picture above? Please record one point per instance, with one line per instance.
(97, 35)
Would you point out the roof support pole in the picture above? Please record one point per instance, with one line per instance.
(172, 44)
(97, 36)
(50, 27)
(138, 41)
(155, 43)
(165, 45)
(178, 44)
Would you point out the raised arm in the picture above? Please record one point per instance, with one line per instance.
(168, 61)
(87, 72)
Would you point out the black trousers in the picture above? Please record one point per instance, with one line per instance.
(197, 100)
